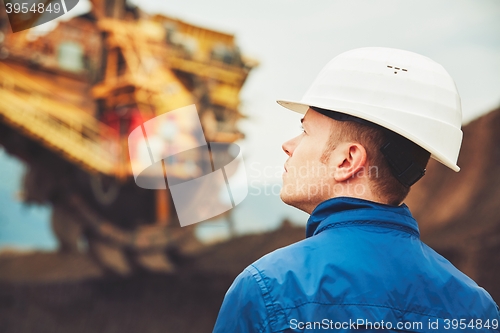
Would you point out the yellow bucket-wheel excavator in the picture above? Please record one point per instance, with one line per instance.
(70, 98)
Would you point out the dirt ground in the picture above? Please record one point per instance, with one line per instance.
(56, 293)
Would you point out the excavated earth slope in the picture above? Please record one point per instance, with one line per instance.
(459, 213)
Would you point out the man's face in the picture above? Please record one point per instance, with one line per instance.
(307, 181)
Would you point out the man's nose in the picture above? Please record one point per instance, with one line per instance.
(289, 146)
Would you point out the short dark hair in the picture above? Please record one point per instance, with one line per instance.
(372, 138)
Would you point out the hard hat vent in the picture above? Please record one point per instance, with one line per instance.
(396, 69)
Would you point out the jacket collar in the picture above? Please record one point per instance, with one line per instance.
(343, 211)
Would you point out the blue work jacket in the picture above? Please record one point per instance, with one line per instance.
(361, 268)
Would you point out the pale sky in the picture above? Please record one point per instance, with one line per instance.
(294, 39)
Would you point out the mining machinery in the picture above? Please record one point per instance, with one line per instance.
(70, 98)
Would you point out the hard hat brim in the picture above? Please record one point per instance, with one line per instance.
(303, 107)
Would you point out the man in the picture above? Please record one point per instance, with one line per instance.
(373, 117)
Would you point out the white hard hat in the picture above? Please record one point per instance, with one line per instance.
(402, 91)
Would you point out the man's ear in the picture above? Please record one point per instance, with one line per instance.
(348, 158)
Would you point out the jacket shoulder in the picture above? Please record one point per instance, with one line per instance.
(244, 308)
(371, 271)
